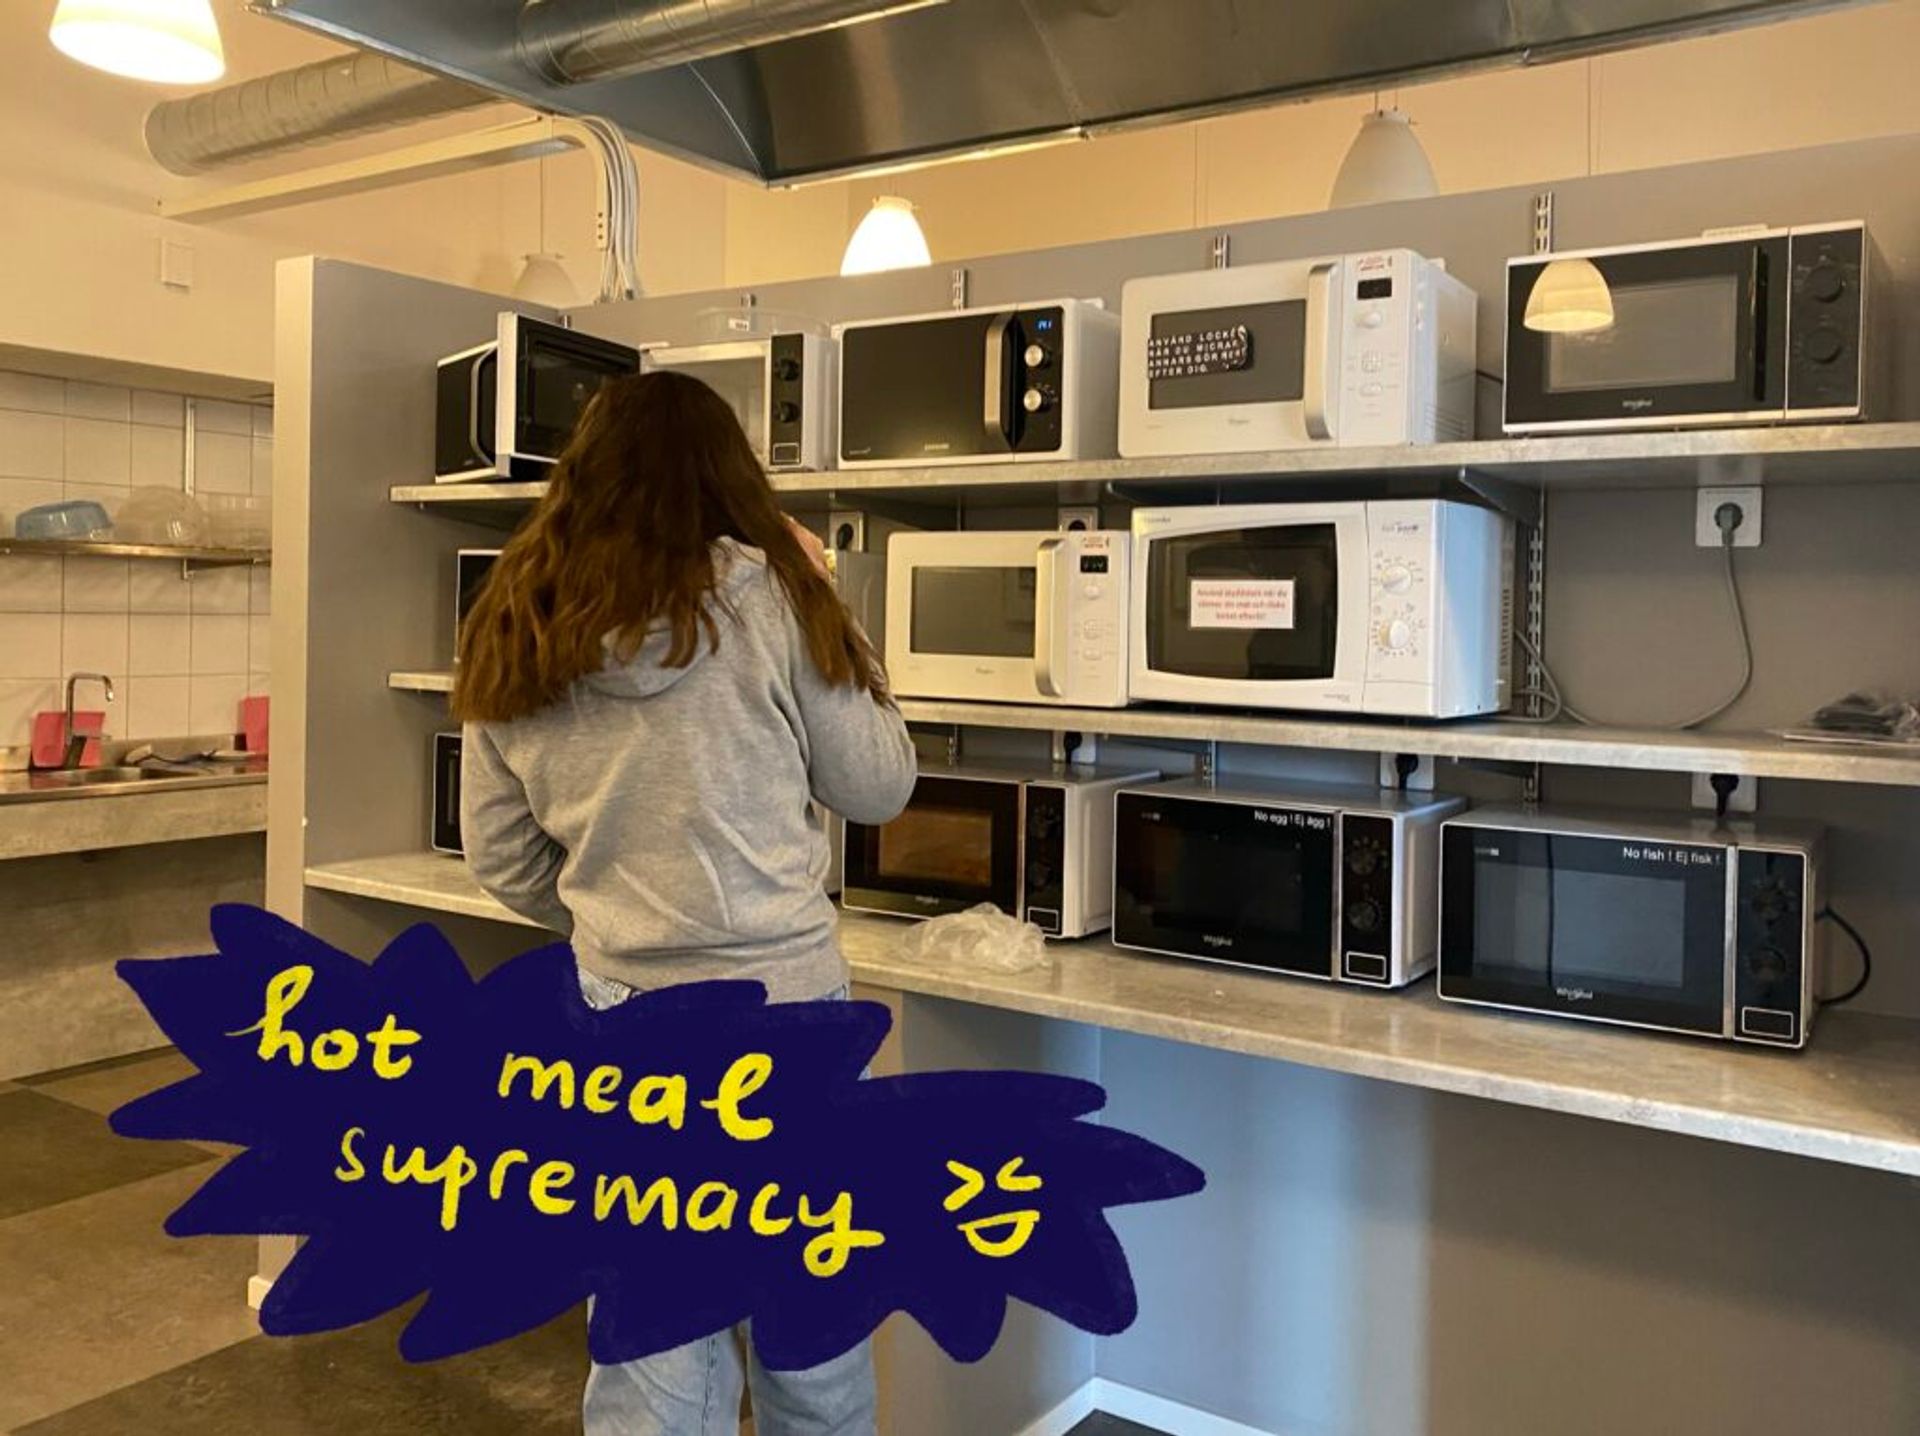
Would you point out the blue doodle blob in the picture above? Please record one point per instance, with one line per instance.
(879, 1163)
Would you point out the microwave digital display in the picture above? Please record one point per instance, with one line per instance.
(1241, 354)
(1663, 335)
(978, 612)
(1253, 603)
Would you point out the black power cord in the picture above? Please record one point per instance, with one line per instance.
(1405, 765)
(1724, 786)
(1860, 945)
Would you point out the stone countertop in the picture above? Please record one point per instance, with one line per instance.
(1853, 1096)
(136, 813)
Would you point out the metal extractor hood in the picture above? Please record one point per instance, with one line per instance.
(944, 79)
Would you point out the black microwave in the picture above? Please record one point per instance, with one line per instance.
(1315, 880)
(470, 569)
(505, 409)
(1737, 327)
(443, 828)
(970, 386)
(1685, 925)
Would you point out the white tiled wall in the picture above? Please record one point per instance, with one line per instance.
(181, 652)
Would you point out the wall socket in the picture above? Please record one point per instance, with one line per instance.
(1078, 518)
(1706, 533)
(1420, 779)
(1743, 799)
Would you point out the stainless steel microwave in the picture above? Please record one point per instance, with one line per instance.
(1009, 617)
(1314, 880)
(1683, 925)
(970, 386)
(780, 386)
(505, 409)
(1400, 606)
(1344, 351)
(1035, 842)
(1737, 327)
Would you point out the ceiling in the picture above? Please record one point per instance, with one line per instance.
(973, 74)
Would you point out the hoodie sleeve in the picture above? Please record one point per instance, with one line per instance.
(861, 762)
(508, 851)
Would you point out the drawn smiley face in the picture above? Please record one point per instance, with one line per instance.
(1001, 1234)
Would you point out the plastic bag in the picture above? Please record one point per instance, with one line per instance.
(982, 937)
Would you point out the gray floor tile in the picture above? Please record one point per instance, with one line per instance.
(54, 1152)
(95, 1295)
(351, 1381)
(88, 1069)
(103, 1086)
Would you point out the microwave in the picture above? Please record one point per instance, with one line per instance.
(1036, 843)
(443, 828)
(1016, 617)
(1401, 607)
(1356, 350)
(969, 386)
(1313, 880)
(1737, 327)
(470, 569)
(781, 386)
(1683, 925)
(505, 409)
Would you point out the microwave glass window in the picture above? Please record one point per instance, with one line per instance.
(1568, 926)
(1663, 336)
(978, 612)
(1245, 604)
(913, 390)
(557, 387)
(1243, 354)
(932, 844)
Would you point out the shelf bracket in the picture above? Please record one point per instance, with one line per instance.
(1517, 501)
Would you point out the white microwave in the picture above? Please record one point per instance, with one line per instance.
(781, 386)
(1401, 607)
(1024, 617)
(1347, 351)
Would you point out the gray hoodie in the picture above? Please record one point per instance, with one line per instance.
(660, 817)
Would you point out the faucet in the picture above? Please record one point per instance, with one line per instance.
(77, 742)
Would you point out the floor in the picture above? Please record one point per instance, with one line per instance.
(107, 1325)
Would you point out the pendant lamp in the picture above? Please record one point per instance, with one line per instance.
(888, 238)
(1385, 162)
(169, 42)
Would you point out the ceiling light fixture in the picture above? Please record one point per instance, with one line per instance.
(168, 42)
(1385, 162)
(888, 238)
(543, 279)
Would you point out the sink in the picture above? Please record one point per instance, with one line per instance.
(87, 777)
(76, 782)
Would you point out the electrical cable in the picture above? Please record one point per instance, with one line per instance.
(1728, 518)
(620, 201)
(1860, 945)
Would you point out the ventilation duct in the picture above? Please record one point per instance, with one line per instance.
(575, 42)
(327, 100)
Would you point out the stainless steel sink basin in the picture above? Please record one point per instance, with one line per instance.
(86, 777)
(76, 782)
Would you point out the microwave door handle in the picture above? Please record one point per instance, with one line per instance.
(997, 413)
(1318, 368)
(474, 443)
(1047, 593)
(1757, 287)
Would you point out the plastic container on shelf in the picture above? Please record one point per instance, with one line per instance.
(162, 516)
(238, 520)
(71, 519)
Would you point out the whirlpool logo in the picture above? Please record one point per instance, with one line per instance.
(1636, 406)
(1575, 994)
(1215, 939)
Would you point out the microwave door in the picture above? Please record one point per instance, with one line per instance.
(955, 846)
(928, 389)
(547, 375)
(1615, 929)
(1246, 605)
(1699, 334)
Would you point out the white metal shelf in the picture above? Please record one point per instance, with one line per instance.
(1782, 454)
(421, 681)
(1852, 1097)
(196, 556)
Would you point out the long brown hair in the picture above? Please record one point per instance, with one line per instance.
(622, 544)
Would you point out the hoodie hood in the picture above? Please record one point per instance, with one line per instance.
(735, 566)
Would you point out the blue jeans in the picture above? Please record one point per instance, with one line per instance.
(694, 1390)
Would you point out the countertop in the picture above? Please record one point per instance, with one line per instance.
(1852, 1097)
(40, 819)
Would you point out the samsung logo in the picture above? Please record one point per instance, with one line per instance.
(1214, 939)
(1575, 994)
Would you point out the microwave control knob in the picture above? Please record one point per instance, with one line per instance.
(786, 370)
(1363, 858)
(1033, 401)
(1397, 636)
(1373, 319)
(1825, 345)
(1363, 916)
(1035, 357)
(1396, 578)
(1826, 283)
(1767, 965)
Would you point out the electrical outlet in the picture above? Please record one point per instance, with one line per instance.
(1706, 533)
(1078, 518)
(1421, 778)
(1743, 799)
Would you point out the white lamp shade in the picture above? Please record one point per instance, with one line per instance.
(1384, 163)
(1570, 297)
(170, 42)
(544, 280)
(888, 238)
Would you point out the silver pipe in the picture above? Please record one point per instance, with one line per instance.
(574, 42)
(311, 104)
